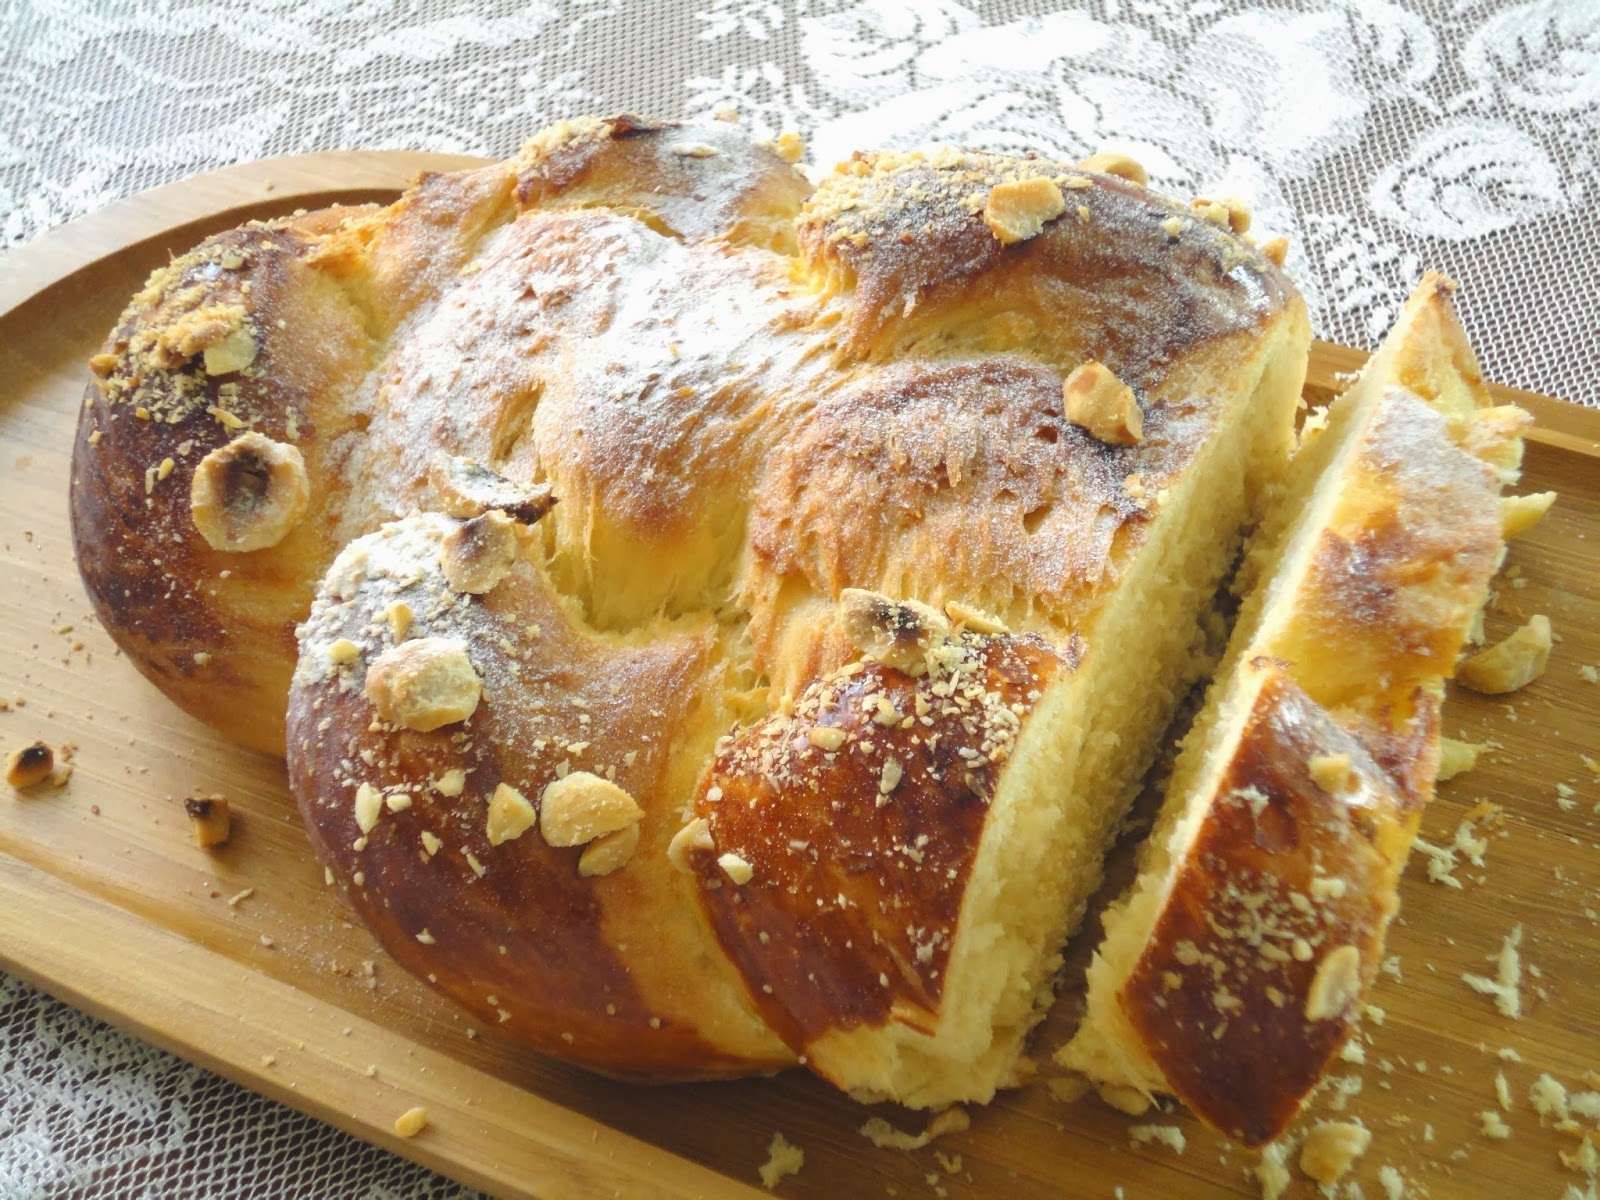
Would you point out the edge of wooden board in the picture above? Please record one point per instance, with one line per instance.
(220, 1014)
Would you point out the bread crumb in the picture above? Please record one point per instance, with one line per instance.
(1492, 1125)
(411, 1122)
(1271, 1172)
(1331, 1148)
(30, 766)
(1512, 663)
(782, 1160)
(1504, 987)
(1392, 1182)
(1549, 1098)
(886, 1137)
(1518, 514)
(1165, 1135)
(1502, 1090)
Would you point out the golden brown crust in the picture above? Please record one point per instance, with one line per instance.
(619, 318)
(853, 822)
(1282, 875)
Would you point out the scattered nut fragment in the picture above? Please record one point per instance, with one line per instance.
(210, 819)
(1018, 209)
(398, 617)
(736, 868)
(696, 835)
(825, 737)
(479, 553)
(1331, 1147)
(344, 651)
(1119, 165)
(469, 489)
(1099, 402)
(975, 619)
(30, 766)
(1332, 773)
(510, 815)
(233, 353)
(1336, 983)
(451, 783)
(789, 147)
(424, 684)
(1227, 212)
(411, 1122)
(1510, 664)
(1275, 250)
(249, 494)
(204, 329)
(581, 807)
(1518, 514)
(368, 807)
(1456, 758)
(897, 633)
(609, 852)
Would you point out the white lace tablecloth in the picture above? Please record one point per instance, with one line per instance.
(1381, 138)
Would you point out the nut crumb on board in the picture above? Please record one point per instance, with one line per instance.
(1504, 987)
(783, 1159)
(1331, 1148)
(30, 766)
(411, 1122)
(1512, 663)
(210, 820)
(886, 1137)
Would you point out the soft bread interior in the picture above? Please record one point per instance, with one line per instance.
(1075, 770)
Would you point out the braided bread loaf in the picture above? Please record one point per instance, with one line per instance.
(733, 618)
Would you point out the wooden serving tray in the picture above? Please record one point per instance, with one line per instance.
(106, 903)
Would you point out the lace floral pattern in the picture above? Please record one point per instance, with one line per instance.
(1380, 137)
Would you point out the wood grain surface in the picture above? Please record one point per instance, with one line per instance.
(106, 902)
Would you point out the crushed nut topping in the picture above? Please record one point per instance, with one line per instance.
(1099, 402)
(479, 553)
(609, 852)
(1119, 165)
(510, 815)
(1510, 664)
(1018, 209)
(582, 807)
(424, 684)
(1336, 983)
(897, 633)
(249, 494)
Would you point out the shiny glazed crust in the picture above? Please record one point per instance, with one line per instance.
(742, 399)
(1275, 863)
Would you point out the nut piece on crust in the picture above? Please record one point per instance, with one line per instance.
(424, 683)
(1511, 664)
(30, 766)
(210, 820)
(510, 815)
(1018, 209)
(469, 489)
(696, 835)
(1119, 165)
(583, 807)
(249, 494)
(606, 854)
(1330, 1149)
(1101, 403)
(479, 553)
(898, 633)
(1336, 983)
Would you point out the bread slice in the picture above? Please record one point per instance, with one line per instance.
(1235, 967)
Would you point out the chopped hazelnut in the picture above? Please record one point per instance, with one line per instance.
(468, 489)
(451, 783)
(1119, 165)
(1330, 1149)
(581, 807)
(825, 737)
(1228, 212)
(510, 815)
(609, 852)
(249, 494)
(1275, 250)
(368, 807)
(424, 684)
(898, 633)
(696, 835)
(1518, 514)
(735, 868)
(1101, 403)
(1018, 209)
(479, 553)
(411, 1122)
(1510, 664)
(210, 820)
(1332, 773)
(1336, 983)
(975, 619)
(30, 766)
